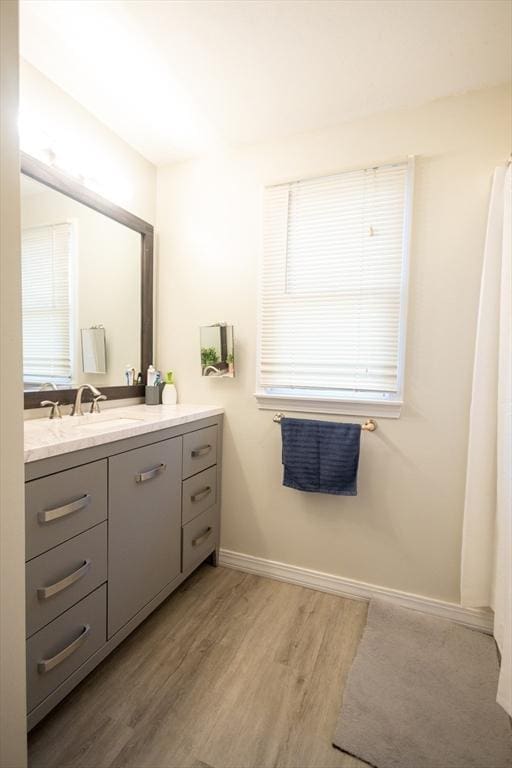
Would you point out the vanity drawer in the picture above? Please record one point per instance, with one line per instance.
(63, 505)
(199, 450)
(199, 494)
(200, 537)
(61, 577)
(56, 651)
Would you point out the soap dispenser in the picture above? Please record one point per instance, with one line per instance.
(169, 394)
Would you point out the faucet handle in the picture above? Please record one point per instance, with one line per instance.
(95, 405)
(55, 408)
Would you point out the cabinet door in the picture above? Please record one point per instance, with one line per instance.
(144, 527)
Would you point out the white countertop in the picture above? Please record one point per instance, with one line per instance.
(52, 437)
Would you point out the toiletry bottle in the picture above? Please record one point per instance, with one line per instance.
(169, 394)
(151, 377)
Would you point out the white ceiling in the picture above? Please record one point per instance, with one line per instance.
(176, 78)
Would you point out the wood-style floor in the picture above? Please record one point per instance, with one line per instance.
(232, 671)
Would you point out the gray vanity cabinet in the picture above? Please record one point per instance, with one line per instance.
(144, 527)
(112, 530)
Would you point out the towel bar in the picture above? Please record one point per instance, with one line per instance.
(369, 426)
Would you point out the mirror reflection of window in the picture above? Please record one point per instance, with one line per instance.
(217, 350)
(46, 281)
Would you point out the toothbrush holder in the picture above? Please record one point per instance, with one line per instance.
(154, 394)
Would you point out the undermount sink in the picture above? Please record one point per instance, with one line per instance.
(119, 421)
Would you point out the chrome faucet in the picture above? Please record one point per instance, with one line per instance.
(48, 385)
(55, 408)
(77, 407)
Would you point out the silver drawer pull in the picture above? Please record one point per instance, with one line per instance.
(200, 495)
(143, 476)
(44, 592)
(202, 451)
(202, 537)
(45, 665)
(47, 515)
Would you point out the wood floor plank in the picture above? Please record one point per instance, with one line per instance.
(78, 742)
(322, 700)
(232, 671)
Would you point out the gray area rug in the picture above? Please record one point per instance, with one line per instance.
(421, 694)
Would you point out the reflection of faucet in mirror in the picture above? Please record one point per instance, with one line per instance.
(77, 407)
(55, 409)
(211, 370)
(95, 405)
(47, 385)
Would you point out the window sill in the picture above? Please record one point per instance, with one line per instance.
(389, 409)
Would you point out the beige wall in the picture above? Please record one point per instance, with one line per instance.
(403, 530)
(106, 275)
(129, 179)
(12, 519)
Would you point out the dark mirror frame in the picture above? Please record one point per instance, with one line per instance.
(55, 179)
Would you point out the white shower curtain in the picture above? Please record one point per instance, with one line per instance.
(486, 573)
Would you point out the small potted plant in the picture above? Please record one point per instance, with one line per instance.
(209, 357)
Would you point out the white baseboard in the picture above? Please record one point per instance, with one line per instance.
(357, 590)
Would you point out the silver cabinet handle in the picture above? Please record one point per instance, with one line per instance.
(47, 515)
(202, 494)
(143, 476)
(202, 537)
(45, 592)
(202, 451)
(45, 665)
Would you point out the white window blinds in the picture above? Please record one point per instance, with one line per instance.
(46, 266)
(333, 283)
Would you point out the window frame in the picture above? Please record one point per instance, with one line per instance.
(352, 402)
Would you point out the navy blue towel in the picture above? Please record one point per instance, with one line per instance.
(320, 456)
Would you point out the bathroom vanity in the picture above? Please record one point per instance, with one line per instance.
(120, 508)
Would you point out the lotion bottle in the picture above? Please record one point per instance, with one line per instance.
(169, 394)
(151, 376)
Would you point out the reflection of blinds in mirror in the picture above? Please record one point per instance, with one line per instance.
(332, 288)
(46, 266)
